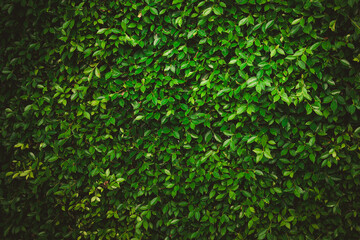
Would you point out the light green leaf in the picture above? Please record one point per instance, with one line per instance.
(269, 24)
(138, 118)
(285, 98)
(154, 11)
(258, 151)
(87, 115)
(241, 109)
(296, 21)
(176, 134)
(101, 31)
(167, 52)
(345, 62)
(53, 159)
(192, 33)
(251, 82)
(207, 11)
(97, 72)
(243, 21)
(267, 153)
(233, 61)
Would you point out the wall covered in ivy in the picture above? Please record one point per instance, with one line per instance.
(180, 119)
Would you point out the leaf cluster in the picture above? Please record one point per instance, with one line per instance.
(180, 119)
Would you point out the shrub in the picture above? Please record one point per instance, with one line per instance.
(180, 119)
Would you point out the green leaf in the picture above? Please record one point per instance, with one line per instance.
(262, 234)
(357, 130)
(216, 175)
(156, 40)
(227, 142)
(217, 138)
(154, 201)
(250, 223)
(232, 116)
(149, 61)
(277, 190)
(167, 52)
(207, 11)
(252, 139)
(279, 50)
(19, 145)
(269, 24)
(296, 21)
(246, 193)
(285, 98)
(332, 25)
(52, 159)
(233, 61)
(138, 118)
(220, 196)
(176, 134)
(101, 31)
(175, 221)
(192, 33)
(345, 62)
(301, 64)
(259, 157)
(267, 153)
(273, 52)
(315, 46)
(115, 73)
(218, 10)
(123, 26)
(241, 109)
(258, 151)
(154, 11)
(317, 111)
(87, 115)
(312, 141)
(97, 72)
(251, 82)
(212, 194)
(208, 136)
(334, 105)
(243, 21)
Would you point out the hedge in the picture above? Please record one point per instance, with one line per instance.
(180, 119)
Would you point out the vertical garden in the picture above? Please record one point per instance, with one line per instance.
(154, 119)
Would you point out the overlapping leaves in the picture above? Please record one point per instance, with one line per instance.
(181, 120)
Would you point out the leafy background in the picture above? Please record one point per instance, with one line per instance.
(180, 119)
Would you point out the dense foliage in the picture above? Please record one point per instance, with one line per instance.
(125, 119)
